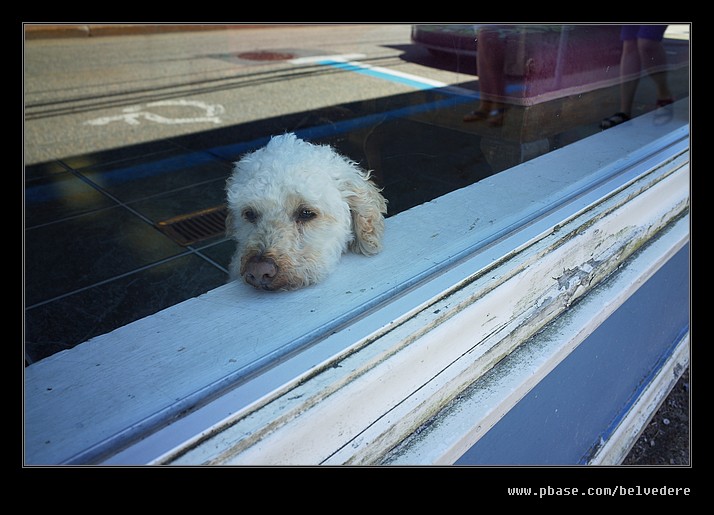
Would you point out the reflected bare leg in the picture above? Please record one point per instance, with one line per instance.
(490, 60)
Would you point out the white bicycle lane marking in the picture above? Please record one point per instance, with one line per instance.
(209, 113)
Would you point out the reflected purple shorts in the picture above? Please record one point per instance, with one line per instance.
(652, 32)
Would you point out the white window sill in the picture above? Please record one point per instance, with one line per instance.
(343, 372)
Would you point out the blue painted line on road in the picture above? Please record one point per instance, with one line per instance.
(36, 193)
(412, 80)
(371, 72)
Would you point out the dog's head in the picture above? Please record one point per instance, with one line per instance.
(294, 208)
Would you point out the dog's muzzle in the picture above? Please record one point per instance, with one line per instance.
(260, 272)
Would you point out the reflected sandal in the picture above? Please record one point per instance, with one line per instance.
(476, 116)
(615, 119)
(494, 116)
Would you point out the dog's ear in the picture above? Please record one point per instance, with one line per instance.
(367, 207)
(229, 224)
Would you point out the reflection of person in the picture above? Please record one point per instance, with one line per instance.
(642, 49)
(490, 59)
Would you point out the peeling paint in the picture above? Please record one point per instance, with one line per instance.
(473, 326)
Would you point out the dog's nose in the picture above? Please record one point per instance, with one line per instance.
(260, 272)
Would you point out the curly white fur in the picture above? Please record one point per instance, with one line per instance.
(294, 208)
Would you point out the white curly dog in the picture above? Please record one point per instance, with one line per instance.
(293, 208)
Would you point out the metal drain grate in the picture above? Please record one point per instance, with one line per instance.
(266, 55)
(194, 227)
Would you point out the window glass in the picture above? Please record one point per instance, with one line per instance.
(131, 132)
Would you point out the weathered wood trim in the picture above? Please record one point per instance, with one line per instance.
(360, 406)
(445, 437)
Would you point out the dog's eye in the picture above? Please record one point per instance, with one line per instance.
(250, 216)
(305, 215)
